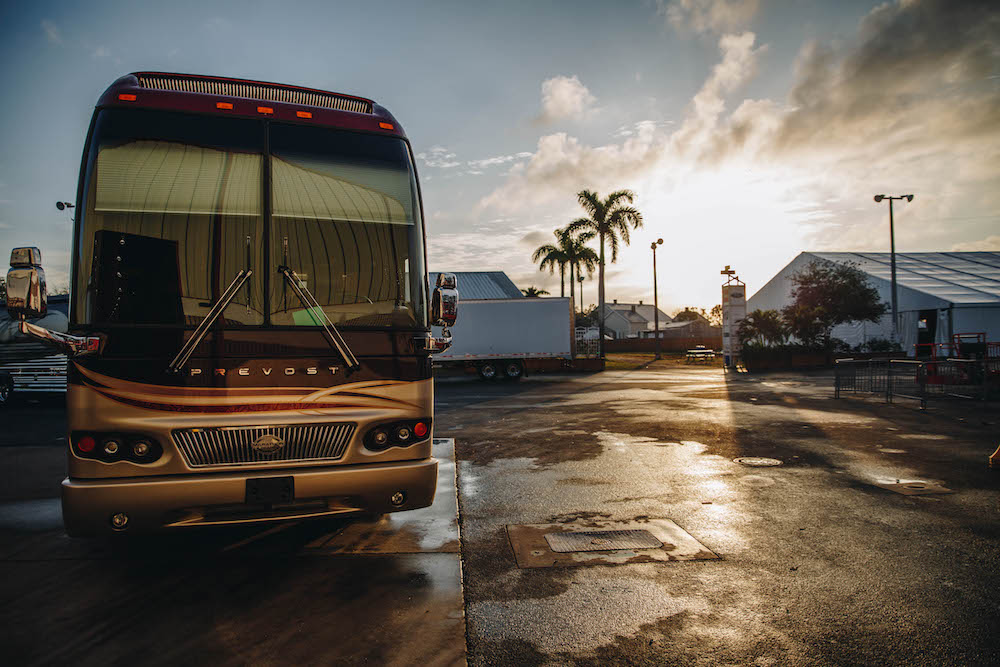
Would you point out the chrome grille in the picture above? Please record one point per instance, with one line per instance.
(256, 91)
(233, 446)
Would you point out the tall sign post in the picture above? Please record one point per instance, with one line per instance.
(734, 311)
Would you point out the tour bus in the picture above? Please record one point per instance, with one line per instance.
(249, 332)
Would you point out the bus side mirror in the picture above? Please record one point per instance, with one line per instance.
(26, 284)
(444, 301)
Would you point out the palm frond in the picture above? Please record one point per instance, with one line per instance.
(590, 201)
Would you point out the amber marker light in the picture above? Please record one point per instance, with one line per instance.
(304, 114)
(265, 110)
(126, 97)
(224, 105)
(387, 126)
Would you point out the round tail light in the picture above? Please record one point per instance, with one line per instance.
(420, 430)
(86, 444)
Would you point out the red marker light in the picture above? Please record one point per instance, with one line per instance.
(224, 105)
(387, 126)
(86, 444)
(265, 110)
(304, 114)
(126, 97)
(420, 430)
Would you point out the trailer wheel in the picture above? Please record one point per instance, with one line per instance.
(6, 389)
(513, 370)
(488, 370)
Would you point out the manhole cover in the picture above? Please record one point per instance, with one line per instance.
(757, 461)
(602, 540)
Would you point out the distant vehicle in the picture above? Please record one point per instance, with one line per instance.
(509, 338)
(249, 335)
(27, 366)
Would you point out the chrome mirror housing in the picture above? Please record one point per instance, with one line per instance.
(26, 284)
(444, 301)
(26, 300)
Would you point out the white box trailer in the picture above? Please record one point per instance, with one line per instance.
(506, 338)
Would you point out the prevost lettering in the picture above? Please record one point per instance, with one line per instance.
(245, 371)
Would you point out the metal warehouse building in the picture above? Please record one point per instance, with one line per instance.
(940, 294)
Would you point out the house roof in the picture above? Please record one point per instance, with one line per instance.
(957, 277)
(645, 311)
(482, 284)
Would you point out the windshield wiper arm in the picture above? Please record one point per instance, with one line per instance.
(202, 330)
(313, 307)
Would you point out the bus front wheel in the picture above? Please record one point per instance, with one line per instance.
(6, 389)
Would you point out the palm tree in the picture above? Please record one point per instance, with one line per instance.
(552, 256)
(610, 219)
(578, 255)
(533, 291)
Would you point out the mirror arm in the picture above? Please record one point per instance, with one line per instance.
(73, 346)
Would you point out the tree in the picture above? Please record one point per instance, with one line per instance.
(715, 315)
(826, 294)
(578, 256)
(609, 218)
(763, 327)
(686, 315)
(533, 291)
(552, 256)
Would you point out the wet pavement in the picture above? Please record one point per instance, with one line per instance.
(819, 564)
(383, 591)
(874, 540)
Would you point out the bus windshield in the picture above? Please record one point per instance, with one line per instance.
(177, 205)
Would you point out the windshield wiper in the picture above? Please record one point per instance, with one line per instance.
(312, 306)
(202, 330)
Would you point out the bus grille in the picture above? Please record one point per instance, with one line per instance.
(256, 91)
(233, 446)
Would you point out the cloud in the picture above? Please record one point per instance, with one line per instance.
(918, 72)
(101, 52)
(564, 98)
(909, 103)
(990, 243)
(500, 159)
(709, 16)
(439, 157)
(536, 238)
(52, 32)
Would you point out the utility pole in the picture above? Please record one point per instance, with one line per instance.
(656, 301)
(892, 261)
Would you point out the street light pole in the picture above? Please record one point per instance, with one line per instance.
(656, 300)
(892, 261)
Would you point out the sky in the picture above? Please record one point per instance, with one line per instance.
(749, 130)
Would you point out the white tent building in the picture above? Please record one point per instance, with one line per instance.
(940, 294)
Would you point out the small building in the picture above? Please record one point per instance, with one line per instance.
(482, 285)
(696, 328)
(939, 294)
(631, 320)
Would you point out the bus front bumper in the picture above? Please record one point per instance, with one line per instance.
(93, 507)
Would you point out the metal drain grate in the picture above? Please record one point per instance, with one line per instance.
(602, 540)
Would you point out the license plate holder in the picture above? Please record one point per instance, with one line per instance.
(270, 490)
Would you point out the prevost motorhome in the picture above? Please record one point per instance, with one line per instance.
(249, 335)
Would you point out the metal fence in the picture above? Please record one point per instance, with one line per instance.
(919, 380)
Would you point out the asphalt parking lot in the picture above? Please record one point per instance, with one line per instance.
(875, 541)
